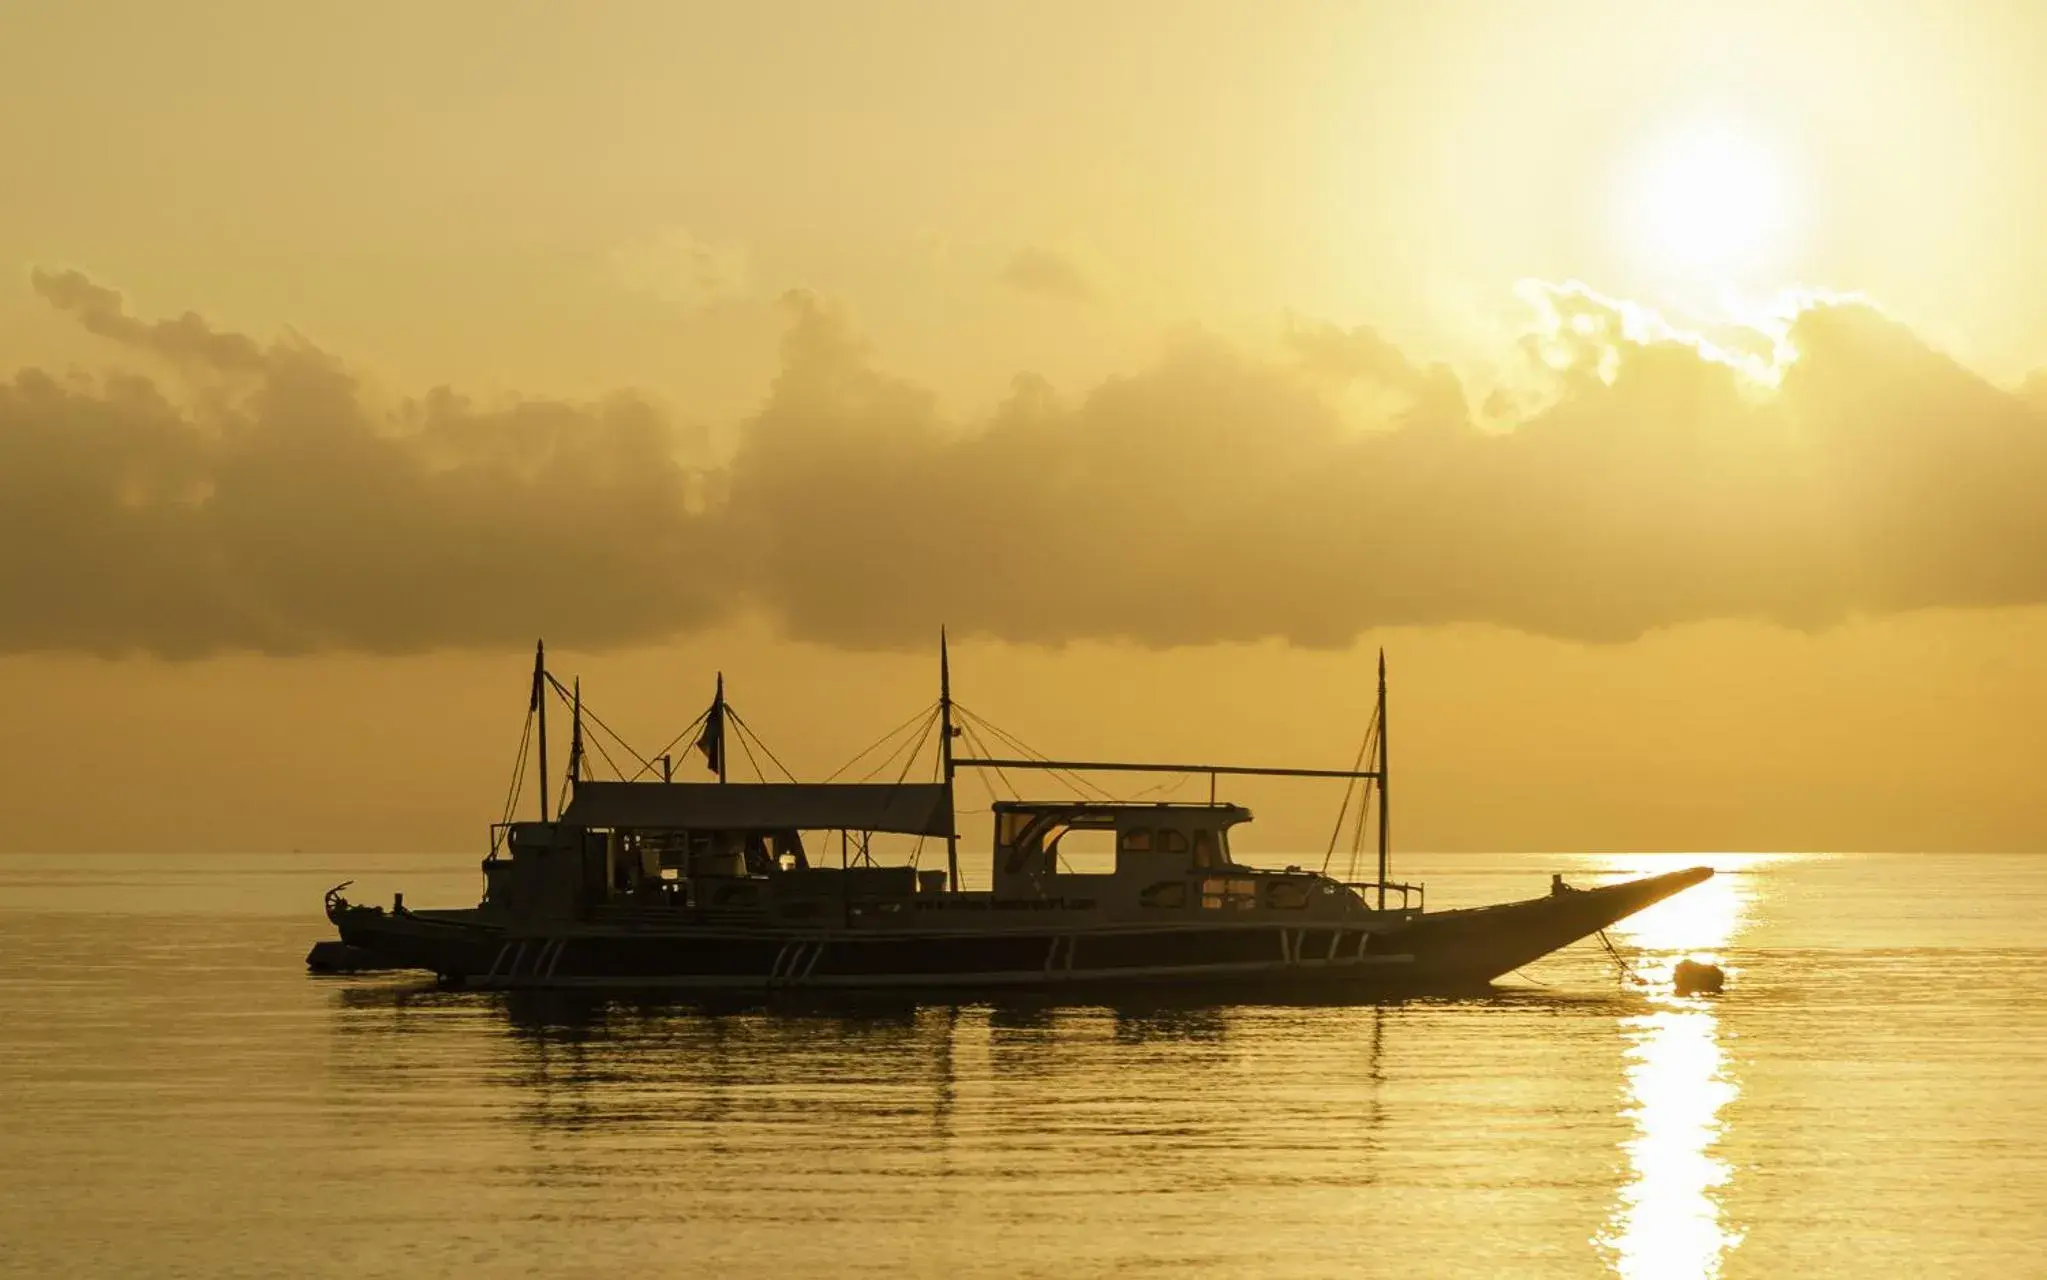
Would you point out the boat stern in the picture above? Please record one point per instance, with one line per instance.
(449, 944)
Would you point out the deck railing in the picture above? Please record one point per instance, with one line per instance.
(1413, 897)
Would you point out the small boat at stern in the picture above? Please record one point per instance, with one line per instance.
(646, 883)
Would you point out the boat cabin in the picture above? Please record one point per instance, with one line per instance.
(1167, 857)
(707, 846)
(727, 850)
(738, 849)
(1150, 839)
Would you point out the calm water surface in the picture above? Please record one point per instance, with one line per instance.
(178, 1097)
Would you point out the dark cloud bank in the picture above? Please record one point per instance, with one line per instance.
(257, 498)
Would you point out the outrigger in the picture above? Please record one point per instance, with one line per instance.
(649, 883)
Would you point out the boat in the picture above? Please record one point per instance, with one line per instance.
(643, 882)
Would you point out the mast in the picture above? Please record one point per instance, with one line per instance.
(945, 732)
(718, 712)
(540, 708)
(1385, 792)
(576, 736)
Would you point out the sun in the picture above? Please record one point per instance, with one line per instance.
(1708, 203)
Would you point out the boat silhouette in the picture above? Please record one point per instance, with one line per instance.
(646, 883)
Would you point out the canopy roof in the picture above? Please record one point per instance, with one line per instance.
(918, 809)
(1212, 810)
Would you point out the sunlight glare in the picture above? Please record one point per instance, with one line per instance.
(1668, 1220)
(1707, 203)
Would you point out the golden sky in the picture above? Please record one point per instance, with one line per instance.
(1654, 382)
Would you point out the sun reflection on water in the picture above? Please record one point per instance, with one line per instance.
(1668, 1220)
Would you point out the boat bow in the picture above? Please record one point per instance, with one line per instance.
(1477, 944)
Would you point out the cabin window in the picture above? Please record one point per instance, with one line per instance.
(1166, 893)
(1287, 894)
(1009, 826)
(787, 846)
(1206, 852)
(1135, 840)
(1218, 894)
(1080, 849)
(1171, 840)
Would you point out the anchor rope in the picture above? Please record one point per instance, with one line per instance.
(1626, 970)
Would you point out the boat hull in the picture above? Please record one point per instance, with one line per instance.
(1425, 953)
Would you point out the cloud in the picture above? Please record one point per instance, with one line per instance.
(1046, 274)
(681, 270)
(282, 512)
(1361, 355)
(260, 497)
(187, 340)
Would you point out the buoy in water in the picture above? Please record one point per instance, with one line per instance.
(1694, 977)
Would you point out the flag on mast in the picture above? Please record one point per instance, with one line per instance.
(709, 742)
(712, 740)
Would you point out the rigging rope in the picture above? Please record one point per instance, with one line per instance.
(870, 747)
(980, 746)
(1361, 786)
(609, 762)
(695, 729)
(910, 760)
(1172, 786)
(755, 764)
(621, 743)
(1336, 832)
(911, 745)
(1357, 835)
(917, 850)
(518, 783)
(1079, 784)
(590, 714)
(758, 741)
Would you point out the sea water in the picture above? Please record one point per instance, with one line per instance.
(178, 1097)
